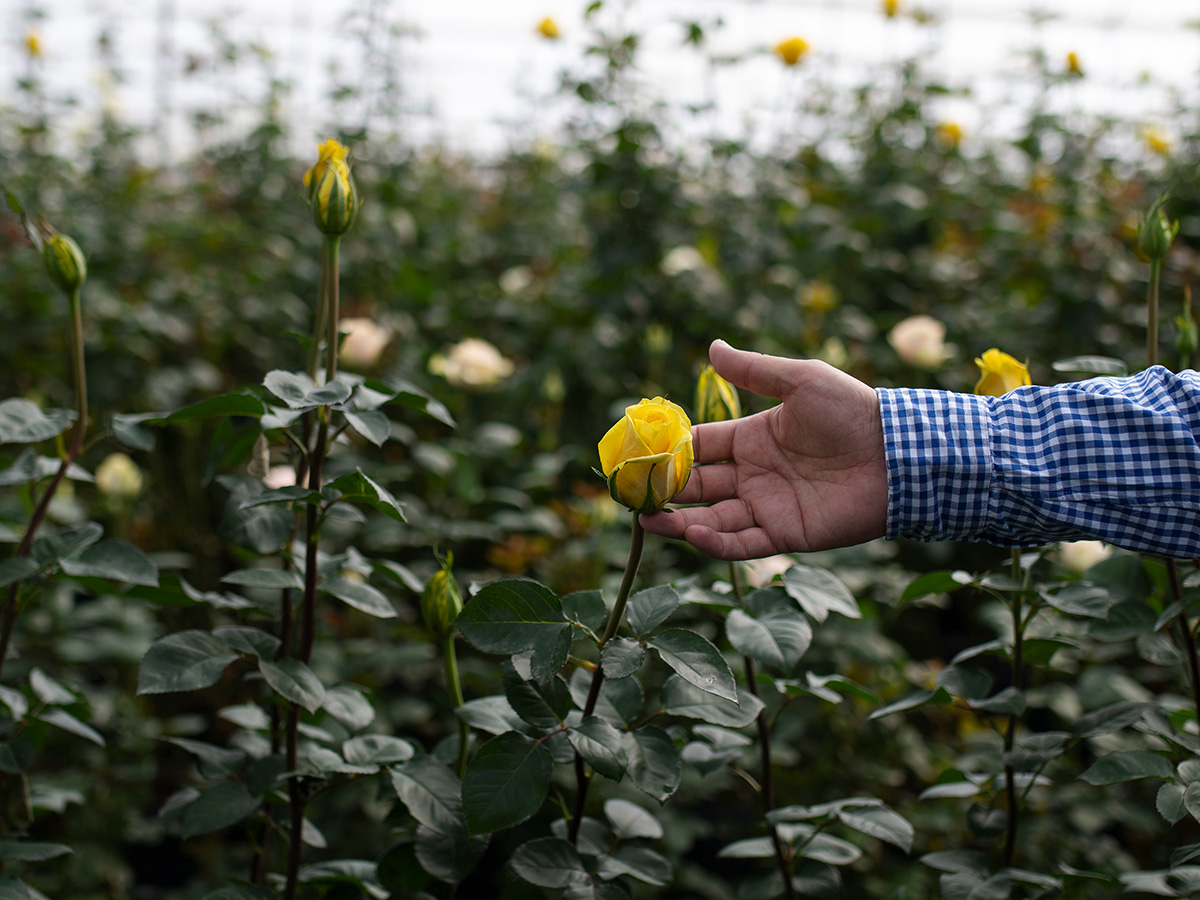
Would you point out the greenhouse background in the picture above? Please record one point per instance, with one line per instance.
(315, 317)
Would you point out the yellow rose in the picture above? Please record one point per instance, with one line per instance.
(716, 398)
(792, 50)
(1000, 373)
(647, 456)
(548, 28)
(891, 8)
(332, 195)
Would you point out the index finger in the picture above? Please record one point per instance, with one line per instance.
(713, 441)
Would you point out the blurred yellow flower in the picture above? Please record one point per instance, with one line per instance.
(548, 29)
(1156, 139)
(948, 134)
(1073, 67)
(999, 373)
(818, 296)
(891, 8)
(364, 342)
(792, 50)
(33, 45)
(118, 476)
(332, 195)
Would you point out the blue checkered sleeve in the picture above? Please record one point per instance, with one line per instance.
(1114, 459)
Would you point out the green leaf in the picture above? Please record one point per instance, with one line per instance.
(1170, 802)
(1191, 799)
(505, 783)
(1109, 718)
(936, 583)
(272, 579)
(748, 848)
(348, 705)
(299, 391)
(629, 821)
(587, 608)
(68, 542)
(681, 698)
(360, 488)
(648, 609)
(360, 595)
(412, 397)
(222, 805)
(263, 529)
(238, 403)
(1035, 750)
(114, 561)
(22, 422)
(48, 690)
(185, 661)
(829, 849)
(543, 707)
(67, 722)
(819, 593)
(1128, 765)
(880, 822)
(372, 425)
(432, 795)
(915, 700)
(127, 429)
(769, 631)
(1008, 702)
(449, 857)
(601, 745)
(1091, 365)
(697, 661)
(654, 765)
(622, 657)
(17, 568)
(494, 715)
(13, 850)
(549, 863)
(965, 682)
(294, 681)
(214, 762)
(376, 750)
(250, 641)
(1087, 600)
(514, 615)
(637, 862)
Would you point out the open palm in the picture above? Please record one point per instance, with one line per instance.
(808, 474)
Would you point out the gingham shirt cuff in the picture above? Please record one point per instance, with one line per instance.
(1115, 459)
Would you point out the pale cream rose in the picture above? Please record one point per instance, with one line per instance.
(119, 476)
(364, 343)
(473, 364)
(280, 476)
(921, 341)
(1079, 556)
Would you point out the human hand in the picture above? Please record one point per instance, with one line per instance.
(808, 474)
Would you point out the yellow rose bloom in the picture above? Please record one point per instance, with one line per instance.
(792, 50)
(891, 8)
(716, 398)
(647, 456)
(548, 28)
(1073, 66)
(33, 45)
(949, 134)
(332, 195)
(1000, 373)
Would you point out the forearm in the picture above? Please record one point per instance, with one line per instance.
(1112, 459)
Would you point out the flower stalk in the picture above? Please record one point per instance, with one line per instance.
(615, 617)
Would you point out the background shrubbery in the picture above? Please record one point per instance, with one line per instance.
(601, 266)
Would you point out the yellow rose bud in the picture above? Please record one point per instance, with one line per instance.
(716, 398)
(332, 195)
(891, 8)
(792, 50)
(64, 260)
(647, 456)
(948, 134)
(441, 601)
(1000, 373)
(1073, 66)
(33, 45)
(548, 28)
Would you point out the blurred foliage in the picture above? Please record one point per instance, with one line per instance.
(601, 266)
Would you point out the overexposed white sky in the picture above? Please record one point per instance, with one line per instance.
(475, 75)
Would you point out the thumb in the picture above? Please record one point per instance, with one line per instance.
(769, 376)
